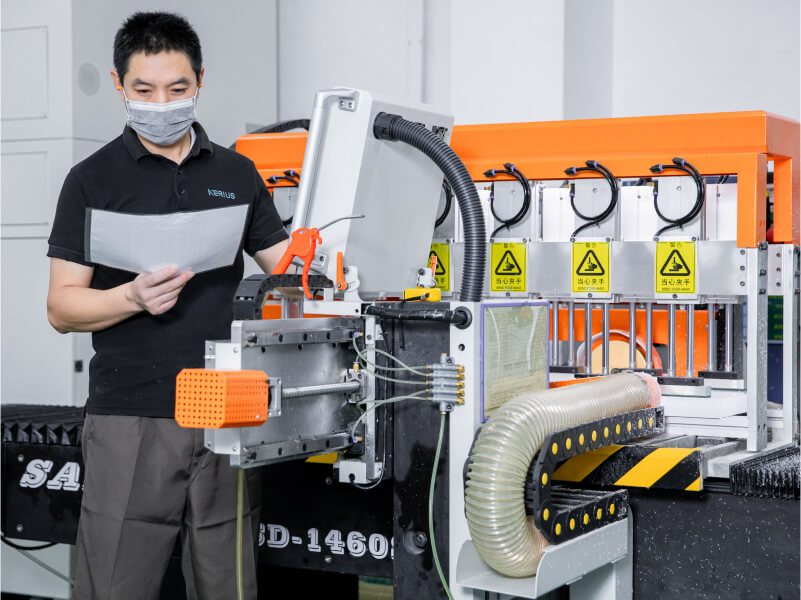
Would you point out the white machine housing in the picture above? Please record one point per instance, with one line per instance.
(347, 171)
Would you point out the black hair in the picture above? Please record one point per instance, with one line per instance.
(154, 32)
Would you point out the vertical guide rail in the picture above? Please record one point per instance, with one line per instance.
(571, 334)
(690, 340)
(711, 339)
(671, 370)
(728, 333)
(588, 337)
(756, 351)
(790, 341)
(633, 335)
(649, 335)
(605, 339)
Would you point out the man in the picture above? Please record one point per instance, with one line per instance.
(147, 481)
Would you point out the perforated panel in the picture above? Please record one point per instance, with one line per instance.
(209, 399)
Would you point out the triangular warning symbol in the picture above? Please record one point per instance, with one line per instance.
(508, 265)
(440, 269)
(590, 265)
(675, 266)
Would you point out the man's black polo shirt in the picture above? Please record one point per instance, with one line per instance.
(136, 361)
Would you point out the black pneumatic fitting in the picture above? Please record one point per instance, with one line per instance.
(383, 124)
(571, 171)
(657, 169)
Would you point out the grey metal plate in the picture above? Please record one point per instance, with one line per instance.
(305, 424)
(549, 269)
(722, 269)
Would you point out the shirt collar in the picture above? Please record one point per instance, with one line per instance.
(137, 150)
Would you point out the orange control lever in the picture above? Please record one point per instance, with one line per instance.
(303, 244)
(341, 284)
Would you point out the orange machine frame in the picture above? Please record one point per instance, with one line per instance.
(738, 143)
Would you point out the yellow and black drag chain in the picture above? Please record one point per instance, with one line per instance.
(562, 513)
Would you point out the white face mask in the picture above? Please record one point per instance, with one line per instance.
(162, 123)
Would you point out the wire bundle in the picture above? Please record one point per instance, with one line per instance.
(512, 171)
(595, 167)
(679, 164)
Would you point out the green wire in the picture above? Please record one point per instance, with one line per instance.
(240, 492)
(431, 507)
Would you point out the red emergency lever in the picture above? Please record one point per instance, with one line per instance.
(303, 245)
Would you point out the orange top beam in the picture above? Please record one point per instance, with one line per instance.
(737, 143)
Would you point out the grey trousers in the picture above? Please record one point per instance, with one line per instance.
(146, 482)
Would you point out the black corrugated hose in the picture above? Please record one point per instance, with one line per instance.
(396, 128)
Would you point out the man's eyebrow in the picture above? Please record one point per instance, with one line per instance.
(138, 81)
(181, 81)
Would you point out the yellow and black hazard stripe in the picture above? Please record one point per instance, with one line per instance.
(561, 514)
(635, 466)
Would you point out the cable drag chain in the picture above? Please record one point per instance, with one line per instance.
(562, 513)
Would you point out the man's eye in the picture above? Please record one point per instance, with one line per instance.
(179, 91)
(142, 91)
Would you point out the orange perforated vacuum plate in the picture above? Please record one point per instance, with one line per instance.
(209, 399)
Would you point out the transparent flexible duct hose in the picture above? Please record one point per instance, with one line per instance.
(505, 538)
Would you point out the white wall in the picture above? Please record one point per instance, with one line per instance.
(59, 106)
(351, 43)
(506, 61)
(682, 57)
(487, 64)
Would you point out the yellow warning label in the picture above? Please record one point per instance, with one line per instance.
(508, 264)
(442, 273)
(675, 268)
(590, 267)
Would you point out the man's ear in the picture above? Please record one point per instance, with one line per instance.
(200, 77)
(115, 78)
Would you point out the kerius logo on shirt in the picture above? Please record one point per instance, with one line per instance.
(229, 195)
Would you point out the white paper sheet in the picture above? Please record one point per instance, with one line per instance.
(192, 241)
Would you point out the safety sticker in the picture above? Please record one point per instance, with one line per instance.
(590, 267)
(442, 252)
(675, 268)
(508, 263)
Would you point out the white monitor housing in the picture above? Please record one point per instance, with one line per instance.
(348, 171)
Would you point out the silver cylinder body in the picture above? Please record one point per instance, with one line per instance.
(305, 391)
(633, 335)
(588, 337)
(671, 370)
(555, 333)
(711, 339)
(649, 335)
(571, 334)
(728, 333)
(605, 341)
(690, 340)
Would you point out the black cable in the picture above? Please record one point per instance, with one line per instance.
(679, 164)
(474, 265)
(8, 542)
(595, 167)
(448, 202)
(723, 179)
(285, 177)
(512, 170)
(275, 178)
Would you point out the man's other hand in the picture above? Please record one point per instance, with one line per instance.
(157, 292)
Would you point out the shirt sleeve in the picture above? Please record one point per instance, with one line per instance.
(265, 228)
(67, 235)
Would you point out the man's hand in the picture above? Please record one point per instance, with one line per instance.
(157, 292)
